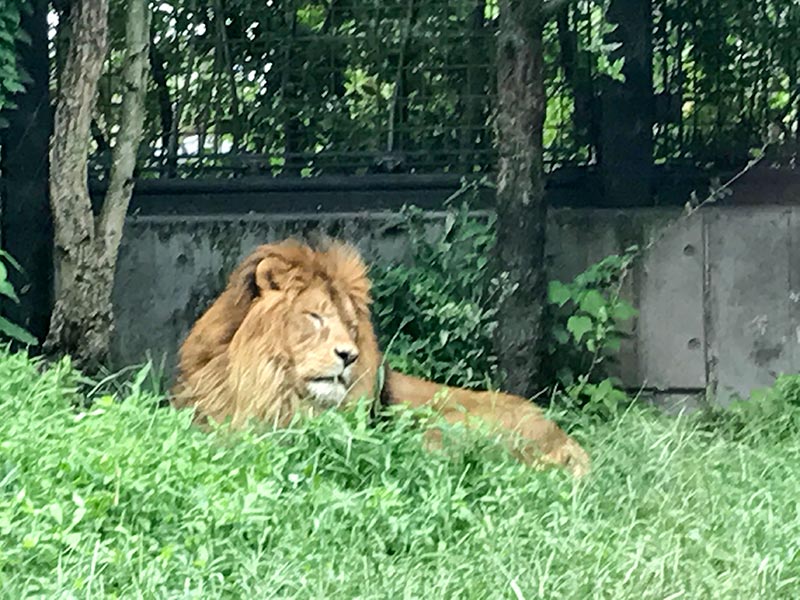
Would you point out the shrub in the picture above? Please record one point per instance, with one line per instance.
(771, 413)
(436, 314)
(584, 329)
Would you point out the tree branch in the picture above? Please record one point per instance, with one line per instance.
(134, 77)
(85, 53)
(159, 71)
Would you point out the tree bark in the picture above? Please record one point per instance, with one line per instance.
(165, 108)
(86, 246)
(521, 210)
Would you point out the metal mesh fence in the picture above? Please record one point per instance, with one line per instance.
(724, 73)
(304, 87)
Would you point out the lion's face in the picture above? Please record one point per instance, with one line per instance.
(306, 326)
(323, 339)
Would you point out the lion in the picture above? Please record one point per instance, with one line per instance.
(292, 333)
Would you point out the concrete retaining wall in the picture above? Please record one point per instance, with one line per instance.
(719, 294)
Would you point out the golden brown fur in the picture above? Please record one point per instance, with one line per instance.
(292, 332)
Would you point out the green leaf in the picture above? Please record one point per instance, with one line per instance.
(623, 311)
(579, 326)
(560, 334)
(8, 329)
(380, 380)
(566, 376)
(7, 290)
(10, 259)
(558, 293)
(140, 378)
(593, 303)
(57, 513)
(604, 388)
(13, 86)
(612, 344)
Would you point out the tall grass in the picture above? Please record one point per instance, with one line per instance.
(122, 499)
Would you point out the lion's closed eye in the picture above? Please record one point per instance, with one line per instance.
(316, 319)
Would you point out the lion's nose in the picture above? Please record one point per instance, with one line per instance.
(348, 355)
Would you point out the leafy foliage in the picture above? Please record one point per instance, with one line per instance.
(12, 75)
(586, 327)
(126, 500)
(7, 328)
(726, 55)
(436, 313)
(747, 418)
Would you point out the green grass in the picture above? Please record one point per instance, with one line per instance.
(127, 500)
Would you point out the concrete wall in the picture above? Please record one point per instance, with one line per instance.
(719, 294)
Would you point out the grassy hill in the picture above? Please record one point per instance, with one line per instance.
(120, 498)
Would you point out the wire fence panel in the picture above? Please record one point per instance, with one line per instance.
(305, 87)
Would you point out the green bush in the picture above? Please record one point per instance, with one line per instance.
(13, 77)
(788, 388)
(437, 313)
(769, 413)
(585, 327)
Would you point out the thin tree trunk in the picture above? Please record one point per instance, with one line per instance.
(86, 246)
(224, 49)
(290, 88)
(165, 107)
(69, 195)
(521, 210)
(134, 81)
(473, 116)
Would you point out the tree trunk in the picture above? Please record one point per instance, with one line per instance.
(473, 115)
(626, 124)
(521, 209)
(86, 246)
(165, 107)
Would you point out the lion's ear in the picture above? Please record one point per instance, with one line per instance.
(273, 273)
(260, 271)
(270, 267)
